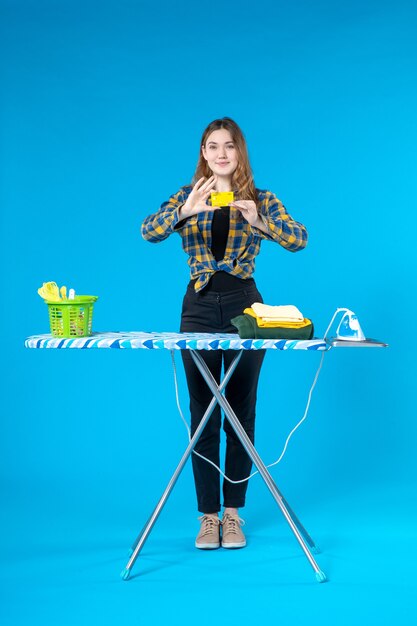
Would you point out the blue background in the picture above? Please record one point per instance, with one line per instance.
(102, 109)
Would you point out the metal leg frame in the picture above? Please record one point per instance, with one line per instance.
(299, 531)
(144, 534)
(250, 449)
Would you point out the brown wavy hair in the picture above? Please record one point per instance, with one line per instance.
(243, 184)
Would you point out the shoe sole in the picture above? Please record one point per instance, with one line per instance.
(234, 545)
(207, 546)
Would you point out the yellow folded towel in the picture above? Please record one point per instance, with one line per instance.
(276, 324)
(284, 313)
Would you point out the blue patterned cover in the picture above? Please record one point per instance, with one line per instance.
(174, 341)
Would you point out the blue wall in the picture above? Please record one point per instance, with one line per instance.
(102, 109)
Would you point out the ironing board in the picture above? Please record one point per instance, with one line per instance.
(196, 342)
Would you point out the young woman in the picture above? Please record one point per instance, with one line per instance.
(222, 243)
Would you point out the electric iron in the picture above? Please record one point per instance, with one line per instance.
(349, 327)
(348, 330)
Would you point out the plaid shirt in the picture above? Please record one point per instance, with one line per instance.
(244, 240)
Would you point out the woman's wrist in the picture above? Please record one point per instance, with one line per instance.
(183, 212)
(259, 224)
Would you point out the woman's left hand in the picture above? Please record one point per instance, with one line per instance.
(248, 210)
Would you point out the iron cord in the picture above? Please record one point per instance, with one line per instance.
(286, 442)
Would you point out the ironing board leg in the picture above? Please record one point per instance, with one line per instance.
(250, 449)
(309, 540)
(303, 531)
(140, 540)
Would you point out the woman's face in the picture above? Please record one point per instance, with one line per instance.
(220, 152)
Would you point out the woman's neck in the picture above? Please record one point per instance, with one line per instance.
(223, 184)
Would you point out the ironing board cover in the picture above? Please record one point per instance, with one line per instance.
(173, 341)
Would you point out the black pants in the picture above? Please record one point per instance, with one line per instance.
(210, 311)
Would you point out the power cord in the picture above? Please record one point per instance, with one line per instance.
(235, 482)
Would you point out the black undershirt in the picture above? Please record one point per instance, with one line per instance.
(222, 281)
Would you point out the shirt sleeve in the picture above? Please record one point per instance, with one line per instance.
(281, 227)
(180, 224)
(158, 226)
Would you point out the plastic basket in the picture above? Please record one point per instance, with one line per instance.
(72, 318)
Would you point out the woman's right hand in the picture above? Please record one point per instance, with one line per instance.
(196, 201)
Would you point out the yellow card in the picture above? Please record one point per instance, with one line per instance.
(221, 198)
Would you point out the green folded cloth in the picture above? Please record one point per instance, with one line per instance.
(248, 329)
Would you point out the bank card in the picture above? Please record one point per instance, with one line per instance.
(221, 198)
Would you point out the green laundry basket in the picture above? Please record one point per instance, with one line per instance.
(72, 318)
